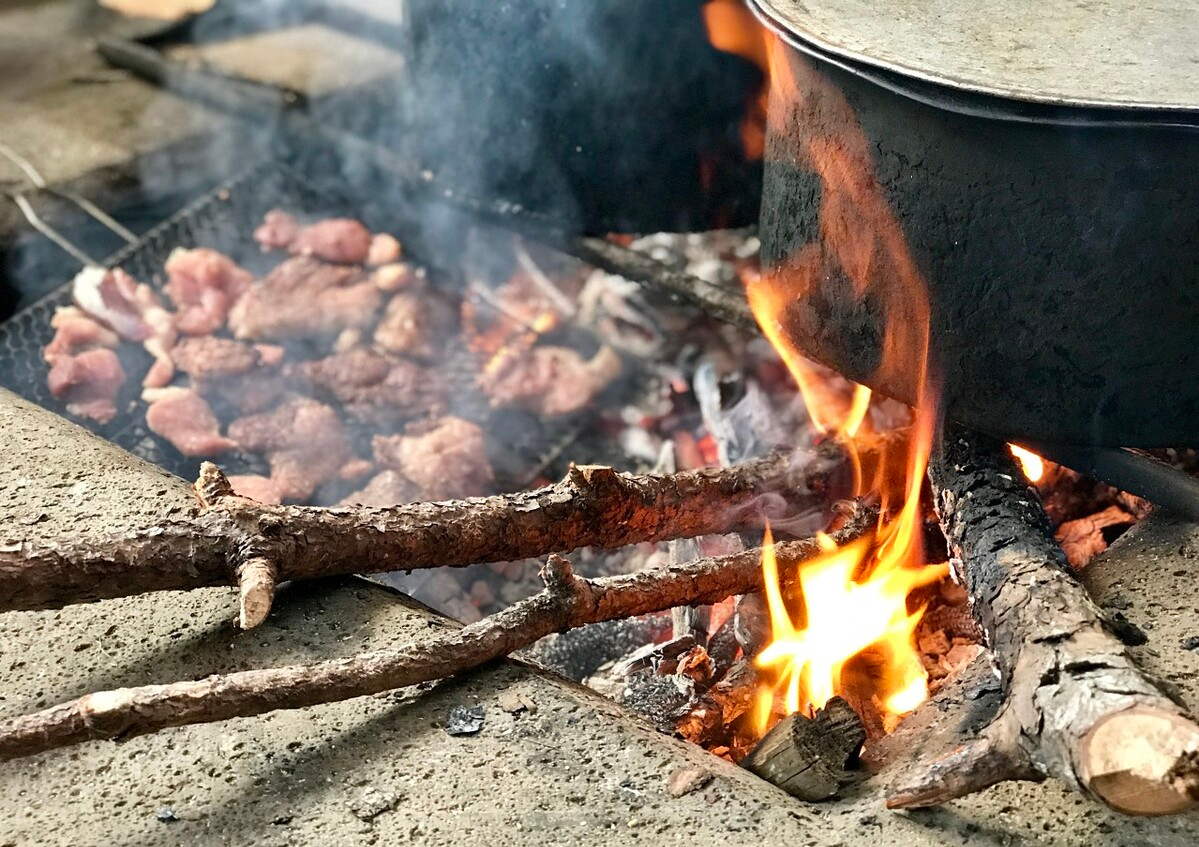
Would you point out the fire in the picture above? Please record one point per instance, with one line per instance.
(854, 602)
(1032, 464)
(732, 28)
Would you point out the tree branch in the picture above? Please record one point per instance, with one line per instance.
(567, 602)
(593, 507)
(1077, 707)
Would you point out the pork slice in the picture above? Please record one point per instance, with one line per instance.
(389, 488)
(110, 296)
(304, 443)
(384, 250)
(305, 298)
(184, 418)
(552, 380)
(75, 332)
(341, 240)
(203, 284)
(416, 323)
(277, 231)
(446, 458)
(206, 357)
(88, 383)
(249, 393)
(260, 488)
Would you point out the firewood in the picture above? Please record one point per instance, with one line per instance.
(566, 602)
(1076, 706)
(593, 507)
(810, 758)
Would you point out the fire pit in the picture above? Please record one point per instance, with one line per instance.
(578, 446)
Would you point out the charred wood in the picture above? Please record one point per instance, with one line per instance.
(1076, 706)
(811, 758)
(566, 602)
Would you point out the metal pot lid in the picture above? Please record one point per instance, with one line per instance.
(1092, 53)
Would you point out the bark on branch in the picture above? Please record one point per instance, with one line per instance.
(567, 602)
(1077, 708)
(593, 507)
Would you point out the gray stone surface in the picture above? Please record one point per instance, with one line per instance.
(382, 770)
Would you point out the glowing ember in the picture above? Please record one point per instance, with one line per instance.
(1032, 464)
(851, 606)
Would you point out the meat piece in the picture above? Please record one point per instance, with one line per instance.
(304, 443)
(74, 333)
(390, 488)
(206, 356)
(203, 284)
(277, 231)
(393, 277)
(446, 458)
(341, 240)
(88, 383)
(416, 323)
(384, 250)
(373, 387)
(182, 417)
(260, 488)
(303, 298)
(249, 393)
(110, 296)
(552, 380)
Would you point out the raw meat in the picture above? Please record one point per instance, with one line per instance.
(88, 383)
(203, 284)
(446, 458)
(341, 240)
(304, 443)
(416, 323)
(393, 277)
(182, 417)
(552, 380)
(303, 298)
(371, 386)
(207, 356)
(277, 231)
(111, 296)
(260, 488)
(134, 311)
(390, 488)
(384, 250)
(75, 332)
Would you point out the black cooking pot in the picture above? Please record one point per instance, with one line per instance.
(1053, 233)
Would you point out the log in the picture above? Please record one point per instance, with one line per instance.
(593, 507)
(568, 601)
(1076, 706)
(811, 758)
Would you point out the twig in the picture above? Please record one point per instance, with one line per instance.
(593, 507)
(1077, 708)
(568, 601)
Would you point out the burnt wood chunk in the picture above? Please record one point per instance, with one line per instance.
(811, 758)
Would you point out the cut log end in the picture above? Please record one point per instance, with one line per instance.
(256, 584)
(1143, 761)
(810, 758)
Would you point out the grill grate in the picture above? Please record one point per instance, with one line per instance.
(223, 219)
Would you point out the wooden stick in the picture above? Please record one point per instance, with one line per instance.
(567, 602)
(593, 507)
(1077, 708)
(809, 758)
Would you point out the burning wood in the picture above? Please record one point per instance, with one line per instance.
(1077, 706)
(811, 758)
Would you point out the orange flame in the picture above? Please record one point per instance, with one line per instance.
(856, 598)
(733, 28)
(1032, 464)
